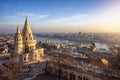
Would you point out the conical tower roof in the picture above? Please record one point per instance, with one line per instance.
(27, 29)
(18, 29)
(18, 33)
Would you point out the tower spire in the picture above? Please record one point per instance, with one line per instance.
(26, 28)
(18, 33)
(28, 38)
(18, 29)
(26, 21)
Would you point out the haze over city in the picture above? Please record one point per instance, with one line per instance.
(61, 15)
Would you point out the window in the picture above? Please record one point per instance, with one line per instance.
(84, 78)
(79, 78)
(72, 76)
(42, 69)
(26, 38)
(24, 58)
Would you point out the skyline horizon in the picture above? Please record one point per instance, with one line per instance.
(73, 31)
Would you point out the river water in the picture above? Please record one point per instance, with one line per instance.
(55, 40)
(52, 40)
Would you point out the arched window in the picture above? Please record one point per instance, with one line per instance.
(72, 76)
(26, 48)
(24, 58)
(84, 78)
(79, 78)
(26, 38)
(43, 69)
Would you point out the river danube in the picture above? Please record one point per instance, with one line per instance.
(55, 40)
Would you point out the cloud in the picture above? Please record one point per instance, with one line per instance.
(69, 20)
(20, 16)
(32, 16)
(37, 17)
(25, 14)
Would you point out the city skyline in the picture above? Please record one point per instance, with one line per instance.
(61, 15)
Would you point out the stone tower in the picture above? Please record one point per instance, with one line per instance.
(29, 42)
(25, 45)
(18, 42)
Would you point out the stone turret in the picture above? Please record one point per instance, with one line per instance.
(28, 38)
(27, 29)
(18, 43)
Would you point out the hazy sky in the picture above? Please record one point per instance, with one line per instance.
(61, 15)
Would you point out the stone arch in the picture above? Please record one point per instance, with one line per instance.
(85, 78)
(26, 38)
(72, 76)
(64, 74)
(79, 78)
(26, 48)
